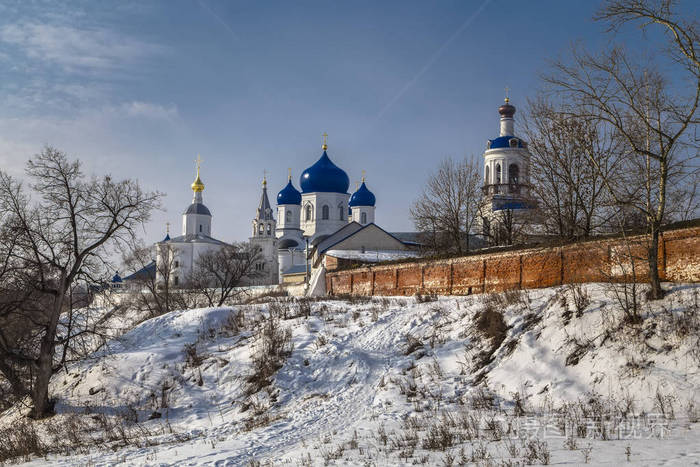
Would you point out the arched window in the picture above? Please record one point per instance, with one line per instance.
(513, 174)
(261, 228)
(487, 180)
(288, 217)
(269, 229)
(363, 218)
(325, 212)
(309, 212)
(498, 173)
(341, 212)
(200, 227)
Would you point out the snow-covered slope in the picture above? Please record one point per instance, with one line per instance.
(394, 381)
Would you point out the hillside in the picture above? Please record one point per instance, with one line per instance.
(546, 376)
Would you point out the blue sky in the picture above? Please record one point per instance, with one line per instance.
(138, 89)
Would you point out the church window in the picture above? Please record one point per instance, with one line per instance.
(288, 217)
(176, 280)
(200, 227)
(341, 212)
(487, 181)
(309, 212)
(177, 264)
(261, 228)
(363, 218)
(513, 174)
(498, 173)
(325, 212)
(269, 229)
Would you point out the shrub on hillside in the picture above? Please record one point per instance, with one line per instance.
(274, 346)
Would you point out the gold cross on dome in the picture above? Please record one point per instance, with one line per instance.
(507, 98)
(167, 228)
(363, 176)
(325, 141)
(199, 161)
(289, 173)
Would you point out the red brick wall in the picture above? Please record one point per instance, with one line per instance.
(593, 261)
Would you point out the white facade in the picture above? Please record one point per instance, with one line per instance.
(323, 213)
(362, 214)
(197, 218)
(181, 256)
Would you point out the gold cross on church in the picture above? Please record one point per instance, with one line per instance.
(507, 98)
(325, 141)
(198, 160)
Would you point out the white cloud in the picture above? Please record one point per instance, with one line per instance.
(149, 110)
(76, 49)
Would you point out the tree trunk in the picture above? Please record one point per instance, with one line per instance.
(44, 363)
(656, 291)
(40, 392)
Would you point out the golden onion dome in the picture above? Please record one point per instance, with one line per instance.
(197, 185)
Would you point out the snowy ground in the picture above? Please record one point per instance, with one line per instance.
(398, 381)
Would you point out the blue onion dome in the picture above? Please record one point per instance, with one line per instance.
(362, 197)
(289, 194)
(116, 278)
(505, 142)
(324, 176)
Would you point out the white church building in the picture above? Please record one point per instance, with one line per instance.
(309, 220)
(178, 255)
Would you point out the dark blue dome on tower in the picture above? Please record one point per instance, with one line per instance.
(362, 197)
(324, 176)
(505, 142)
(289, 195)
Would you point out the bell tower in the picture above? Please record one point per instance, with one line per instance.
(263, 236)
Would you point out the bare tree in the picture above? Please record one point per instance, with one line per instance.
(653, 119)
(218, 273)
(509, 226)
(571, 194)
(447, 210)
(55, 235)
(150, 286)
